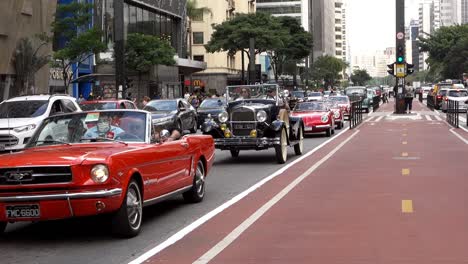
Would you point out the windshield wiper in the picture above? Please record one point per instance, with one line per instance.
(106, 139)
(53, 141)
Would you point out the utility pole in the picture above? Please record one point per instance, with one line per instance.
(400, 64)
(119, 43)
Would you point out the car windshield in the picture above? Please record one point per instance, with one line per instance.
(308, 106)
(339, 99)
(244, 92)
(458, 93)
(161, 105)
(315, 94)
(212, 103)
(354, 91)
(88, 127)
(298, 94)
(23, 109)
(98, 106)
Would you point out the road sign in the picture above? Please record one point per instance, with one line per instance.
(400, 35)
(400, 70)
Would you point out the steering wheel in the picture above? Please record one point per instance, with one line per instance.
(127, 136)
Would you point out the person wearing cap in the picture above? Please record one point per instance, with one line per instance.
(103, 129)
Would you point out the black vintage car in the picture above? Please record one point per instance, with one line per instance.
(210, 108)
(296, 97)
(255, 120)
(173, 113)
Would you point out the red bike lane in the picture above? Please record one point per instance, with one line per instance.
(387, 193)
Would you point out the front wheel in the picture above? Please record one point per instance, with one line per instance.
(127, 221)
(328, 132)
(282, 149)
(299, 147)
(195, 127)
(197, 192)
(235, 153)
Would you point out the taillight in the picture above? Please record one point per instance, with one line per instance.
(439, 97)
(446, 99)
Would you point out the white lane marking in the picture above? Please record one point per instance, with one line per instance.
(437, 111)
(214, 251)
(380, 118)
(458, 135)
(428, 118)
(186, 230)
(438, 118)
(369, 119)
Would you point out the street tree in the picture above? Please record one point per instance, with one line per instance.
(327, 69)
(448, 51)
(71, 26)
(360, 77)
(295, 45)
(144, 51)
(27, 60)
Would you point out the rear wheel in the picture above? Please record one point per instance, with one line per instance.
(2, 227)
(282, 149)
(127, 221)
(235, 153)
(195, 127)
(299, 147)
(197, 192)
(328, 132)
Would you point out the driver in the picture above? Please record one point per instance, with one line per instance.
(103, 129)
(174, 132)
(271, 94)
(244, 94)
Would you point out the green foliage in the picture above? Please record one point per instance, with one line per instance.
(421, 76)
(194, 11)
(78, 47)
(448, 51)
(233, 35)
(144, 51)
(328, 69)
(360, 77)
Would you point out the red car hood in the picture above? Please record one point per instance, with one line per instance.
(61, 155)
(310, 117)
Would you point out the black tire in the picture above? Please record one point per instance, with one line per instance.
(197, 192)
(195, 127)
(340, 125)
(2, 227)
(367, 110)
(299, 147)
(282, 150)
(127, 221)
(235, 153)
(179, 125)
(328, 132)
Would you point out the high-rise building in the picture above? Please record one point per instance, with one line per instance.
(222, 69)
(413, 42)
(20, 19)
(450, 12)
(294, 8)
(340, 47)
(323, 22)
(426, 27)
(464, 11)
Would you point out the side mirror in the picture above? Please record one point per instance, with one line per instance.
(164, 134)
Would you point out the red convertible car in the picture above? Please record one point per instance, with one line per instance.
(338, 113)
(317, 117)
(71, 169)
(343, 102)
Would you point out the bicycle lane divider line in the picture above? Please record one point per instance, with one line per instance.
(231, 237)
(458, 136)
(211, 214)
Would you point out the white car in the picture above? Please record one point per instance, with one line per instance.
(425, 91)
(315, 96)
(460, 95)
(20, 116)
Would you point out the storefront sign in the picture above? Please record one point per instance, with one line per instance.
(57, 74)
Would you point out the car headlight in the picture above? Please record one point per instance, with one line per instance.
(99, 173)
(163, 119)
(223, 117)
(261, 116)
(337, 114)
(324, 118)
(24, 128)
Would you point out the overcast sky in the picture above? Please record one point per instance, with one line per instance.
(371, 23)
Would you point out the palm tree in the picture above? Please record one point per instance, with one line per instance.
(27, 62)
(192, 12)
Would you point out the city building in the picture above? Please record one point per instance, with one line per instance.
(299, 9)
(222, 68)
(426, 27)
(374, 63)
(21, 19)
(464, 11)
(412, 49)
(165, 19)
(323, 22)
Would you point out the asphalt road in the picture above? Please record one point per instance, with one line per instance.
(88, 240)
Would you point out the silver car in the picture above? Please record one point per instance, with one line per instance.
(460, 95)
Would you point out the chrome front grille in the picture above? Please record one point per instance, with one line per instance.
(242, 121)
(35, 175)
(243, 115)
(8, 140)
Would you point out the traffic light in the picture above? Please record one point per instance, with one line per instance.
(409, 68)
(400, 53)
(391, 69)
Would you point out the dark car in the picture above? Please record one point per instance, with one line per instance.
(106, 105)
(173, 113)
(256, 119)
(210, 108)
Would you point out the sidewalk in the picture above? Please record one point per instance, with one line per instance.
(391, 191)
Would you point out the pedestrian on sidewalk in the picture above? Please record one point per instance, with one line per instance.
(409, 98)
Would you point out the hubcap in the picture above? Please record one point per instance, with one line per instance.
(301, 140)
(134, 208)
(200, 179)
(284, 144)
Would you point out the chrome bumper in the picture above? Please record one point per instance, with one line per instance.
(245, 142)
(62, 196)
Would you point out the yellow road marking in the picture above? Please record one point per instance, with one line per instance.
(404, 142)
(404, 154)
(405, 171)
(406, 206)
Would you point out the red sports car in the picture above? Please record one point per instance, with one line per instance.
(317, 117)
(338, 113)
(107, 104)
(69, 169)
(343, 102)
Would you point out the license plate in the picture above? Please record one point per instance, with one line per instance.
(244, 126)
(307, 128)
(23, 211)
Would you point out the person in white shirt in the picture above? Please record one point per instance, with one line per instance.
(409, 97)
